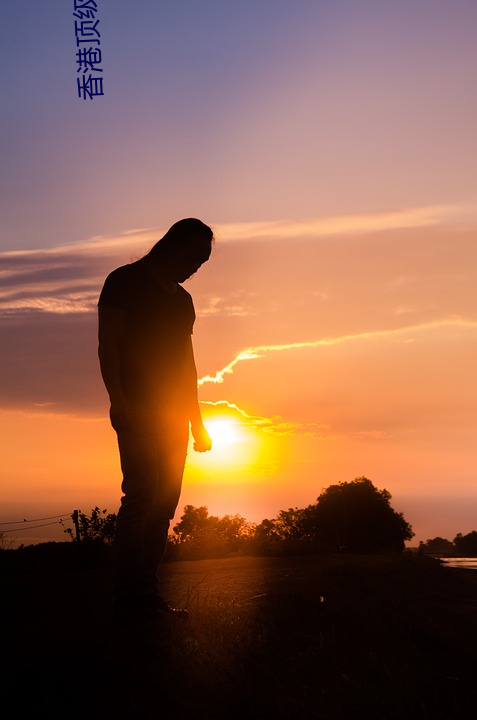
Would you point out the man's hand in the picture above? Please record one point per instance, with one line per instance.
(202, 439)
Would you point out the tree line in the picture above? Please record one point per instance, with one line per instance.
(347, 517)
(461, 545)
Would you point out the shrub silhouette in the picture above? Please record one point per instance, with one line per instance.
(100, 526)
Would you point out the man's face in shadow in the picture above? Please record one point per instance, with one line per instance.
(187, 259)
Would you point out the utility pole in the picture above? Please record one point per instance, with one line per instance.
(76, 524)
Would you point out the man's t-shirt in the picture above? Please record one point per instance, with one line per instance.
(154, 348)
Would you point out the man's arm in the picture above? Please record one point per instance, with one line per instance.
(111, 329)
(202, 440)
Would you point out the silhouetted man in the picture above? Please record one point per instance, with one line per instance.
(147, 363)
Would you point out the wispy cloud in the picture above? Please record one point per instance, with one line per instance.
(64, 279)
(68, 303)
(233, 305)
(259, 351)
(67, 278)
(339, 225)
(275, 425)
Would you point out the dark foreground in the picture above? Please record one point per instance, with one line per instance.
(328, 637)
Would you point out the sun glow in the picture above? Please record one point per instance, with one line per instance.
(235, 447)
(223, 432)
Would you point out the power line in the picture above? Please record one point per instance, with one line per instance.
(21, 522)
(30, 527)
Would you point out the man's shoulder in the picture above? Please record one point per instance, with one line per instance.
(119, 281)
(127, 272)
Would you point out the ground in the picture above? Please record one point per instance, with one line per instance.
(327, 637)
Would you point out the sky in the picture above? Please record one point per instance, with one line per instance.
(330, 145)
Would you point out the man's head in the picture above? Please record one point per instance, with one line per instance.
(184, 248)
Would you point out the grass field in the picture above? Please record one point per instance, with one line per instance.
(327, 637)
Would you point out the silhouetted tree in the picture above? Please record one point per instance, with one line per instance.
(235, 531)
(289, 532)
(199, 534)
(437, 546)
(289, 524)
(267, 536)
(357, 517)
(193, 521)
(466, 545)
(286, 526)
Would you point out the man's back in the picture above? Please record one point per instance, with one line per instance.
(158, 323)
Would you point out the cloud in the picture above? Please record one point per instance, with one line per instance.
(232, 305)
(50, 360)
(339, 225)
(255, 353)
(252, 300)
(250, 354)
(68, 303)
(273, 426)
(67, 278)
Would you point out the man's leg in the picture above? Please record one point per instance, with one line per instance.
(172, 450)
(139, 466)
(152, 460)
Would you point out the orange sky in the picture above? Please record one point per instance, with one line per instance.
(336, 347)
(331, 147)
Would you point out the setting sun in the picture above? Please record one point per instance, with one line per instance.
(223, 432)
(236, 447)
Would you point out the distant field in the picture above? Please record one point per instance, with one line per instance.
(329, 637)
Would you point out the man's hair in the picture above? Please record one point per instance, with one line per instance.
(180, 234)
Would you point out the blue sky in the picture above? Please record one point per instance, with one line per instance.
(235, 111)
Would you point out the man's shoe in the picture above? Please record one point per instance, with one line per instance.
(164, 608)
